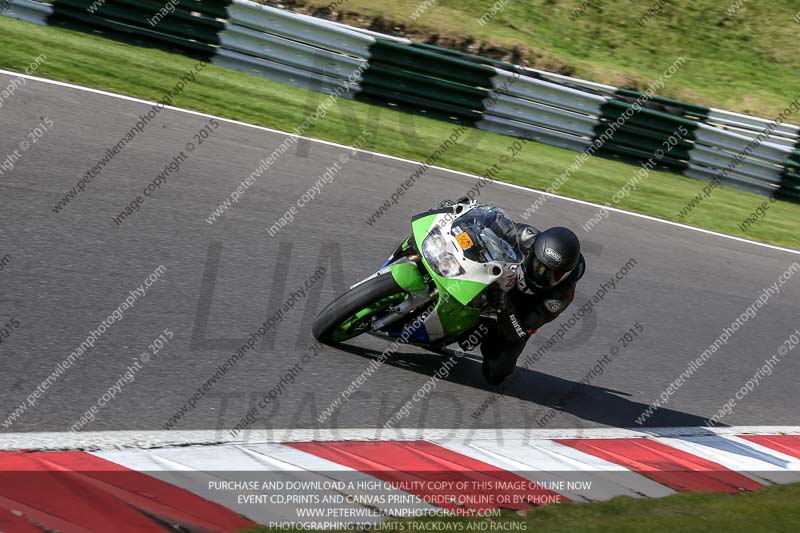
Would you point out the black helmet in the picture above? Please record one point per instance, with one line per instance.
(555, 254)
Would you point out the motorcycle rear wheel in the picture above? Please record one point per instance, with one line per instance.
(350, 314)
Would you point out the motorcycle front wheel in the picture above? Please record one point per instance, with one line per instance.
(351, 313)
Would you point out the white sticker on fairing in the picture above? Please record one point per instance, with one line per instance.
(433, 326)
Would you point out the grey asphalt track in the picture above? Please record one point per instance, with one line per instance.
(69, 271)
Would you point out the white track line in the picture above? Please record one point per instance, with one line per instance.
(443, 169)
(108, 440)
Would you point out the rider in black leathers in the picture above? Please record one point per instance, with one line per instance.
(545, 286)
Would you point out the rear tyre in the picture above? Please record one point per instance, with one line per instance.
(349, 315)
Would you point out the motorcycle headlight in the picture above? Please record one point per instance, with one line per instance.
(434, 248)
(448, 266)
(434, 245)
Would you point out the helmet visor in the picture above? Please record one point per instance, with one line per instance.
(543, 276)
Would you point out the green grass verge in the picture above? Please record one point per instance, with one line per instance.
(745, 62)
(105, 64)
(772, 509)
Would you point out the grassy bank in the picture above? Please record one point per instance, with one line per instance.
(741, 59)
(773, 509)
(105, 64)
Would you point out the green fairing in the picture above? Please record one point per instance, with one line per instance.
(408, 277)
(462, 290)
(455, 317)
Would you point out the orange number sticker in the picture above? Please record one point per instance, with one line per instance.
(464, 241)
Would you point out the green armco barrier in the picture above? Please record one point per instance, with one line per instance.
(216, 9)
(645, 119)
(635, 132)
(185, 12)
(76, 19)
(136, 15)
(425, 81)
(790, 187)
(636, 157)
(420, 106)
(212, 8)
(668, 103)
(434, 64)
(649, 142)
(643, 133)
(403, 82)
(656, 103)
(467, 56)
(790, 180)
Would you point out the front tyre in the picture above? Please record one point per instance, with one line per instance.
(350, 314)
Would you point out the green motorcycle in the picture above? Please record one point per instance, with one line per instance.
(431, 291)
